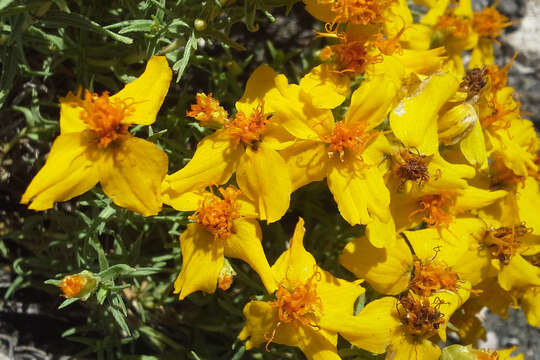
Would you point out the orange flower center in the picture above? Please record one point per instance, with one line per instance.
(351, 56)
(408, 166)
(103, 116)
(504, 242)
(501, 114)
(489, 22)
(432, 277)
(297, 302)
(454, 26)
(358, 11)
(216, 214)
(419, 317)
(434, 207)
(207, 110)
(72, 285)
(248, 130)
(344, 139)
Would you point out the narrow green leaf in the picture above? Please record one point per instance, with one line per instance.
(120, 320)
(181, 64)
(67, 302)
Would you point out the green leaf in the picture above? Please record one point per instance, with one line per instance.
(181, 64)
(61, 19)
(67, 302)
(5, 3)
(120, 320)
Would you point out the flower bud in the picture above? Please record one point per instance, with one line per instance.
(199, 24)
(456, 123)
(80, 285)
(226, 276)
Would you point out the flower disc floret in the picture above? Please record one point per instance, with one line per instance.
(217, 214)
(103, 115)
(434, 208)
(248, 129)
(352, 56)
(207, 110)
(345, 139)
(72, 285)
(489, 22)
(503, 243)
(431, 277)
(419, 317)
(456, 27)
(358, 11)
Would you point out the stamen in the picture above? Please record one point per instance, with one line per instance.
(504, 242)
(409, 166)
(354, 140)
(248, 130)
(103, 116)
(358, 11)
(72, 285)
(217, 214)
(352, 56)
(207, 110)
(474, 81)
(453, 26)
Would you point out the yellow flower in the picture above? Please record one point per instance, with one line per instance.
(403, 327)
(307, 300)
(348, 153)
(247, 145)
(80, 285)
(441, 261)
(468, 353)
(223, 226)
(94, 146)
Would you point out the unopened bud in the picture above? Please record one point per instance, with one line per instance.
(80, 285)
(226, 276)
(456, 123)
(199, 24)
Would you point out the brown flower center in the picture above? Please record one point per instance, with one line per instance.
(409, 166)
(474, 81)
(419, 317)
(504, 242)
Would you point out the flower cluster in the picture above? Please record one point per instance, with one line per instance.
(435, 160)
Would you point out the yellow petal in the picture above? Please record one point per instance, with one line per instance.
(388, 270)
(475, 198)
(482, 54)
(528, 201)
(437, 9)
(306, 162)
(131, 173)
(381, 234)
(360, 195)
(213, 163)
(456, 123)
(446, 176)
(245, 244)
(408, 348)
(338, 296)
(199, 251)
(414, 120)
(320, 11)
(70, 170)
(295, 264)
(260, 322)
(530, 303)
(464, 9)
(324, 88)
(371, 102)
(372, 328)
(258, 84)
(70, 118)
(473, 147)
(424, 62)
(189, 201)
(147, 92)
(519, 273)
(262, 175)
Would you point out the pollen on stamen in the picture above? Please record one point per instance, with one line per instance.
(351, 56)
(454, 26)
(362, 12)
(207, 110)
(345, 139)
(217, 214)
(103, 115)
(248, 130)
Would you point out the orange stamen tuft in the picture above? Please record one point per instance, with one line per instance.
(248, 130)
(103, 116)
(207, 110)
(354, 140)
(489, 22)
(434, 209)
(72, 285)
(432, 277)
(504, 242)
(389, 46)
(217, 214)
(351, 56)
(454, 26)
(499, 118)
(499, 76)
